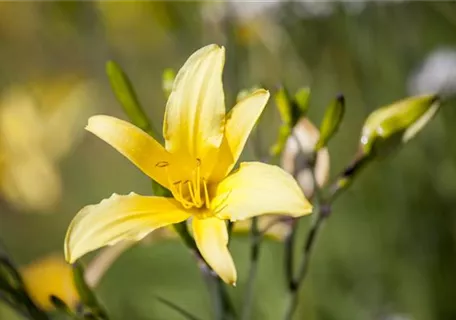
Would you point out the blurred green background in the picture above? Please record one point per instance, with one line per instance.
(388, 251)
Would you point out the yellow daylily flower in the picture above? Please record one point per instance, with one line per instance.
(39, 125)
(202, 145)
(48, 276)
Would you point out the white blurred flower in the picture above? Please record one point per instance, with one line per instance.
(436, 75)
(398, 317)
(242, 10)
(311, 9)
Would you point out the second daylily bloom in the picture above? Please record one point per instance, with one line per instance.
(202, 145)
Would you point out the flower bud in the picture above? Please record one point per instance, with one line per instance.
(331, 121)
(391, 126)
(298, 157)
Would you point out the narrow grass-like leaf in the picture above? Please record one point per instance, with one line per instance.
(125, 94)
(178, 309)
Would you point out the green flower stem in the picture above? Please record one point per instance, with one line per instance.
(341, 184)
(86, 294)
(254, 255)
(223, 308)
(289, 252)
(294, 284)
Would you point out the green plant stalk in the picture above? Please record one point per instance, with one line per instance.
(86, 294)
(289, 246)
(178, 309)
(254, 257)
(342, 182)
(222, 306)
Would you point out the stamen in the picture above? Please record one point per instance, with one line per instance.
(198, 177)
(176, 191)
(192, 193)
(187, 204)
(206, 194)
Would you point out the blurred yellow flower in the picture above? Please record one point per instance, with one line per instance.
(202, 145)
(38, 126)
(50, 276)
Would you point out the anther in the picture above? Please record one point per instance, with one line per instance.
(162, 164)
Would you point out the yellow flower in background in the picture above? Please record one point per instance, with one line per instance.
(50, 276)
(202, 145)
(39, 124)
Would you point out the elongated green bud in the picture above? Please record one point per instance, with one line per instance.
(331, 121)
(395, 124)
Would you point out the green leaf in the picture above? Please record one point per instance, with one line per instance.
(331, 121)
(61, 306)
(87, 296)
(12, 289)
(182, 229)
(10, 279)
(391, 126)
(178, 309)
(127, 98)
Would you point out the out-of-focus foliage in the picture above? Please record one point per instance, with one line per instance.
(388, 250)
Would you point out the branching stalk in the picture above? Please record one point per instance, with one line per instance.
(324, 204)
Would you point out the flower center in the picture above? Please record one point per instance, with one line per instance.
(192, 192)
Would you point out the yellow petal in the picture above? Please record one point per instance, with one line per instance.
(258, 188)
(133, 143)
(129, 217)
(195, 112)
(211, 237)
(239, 124)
